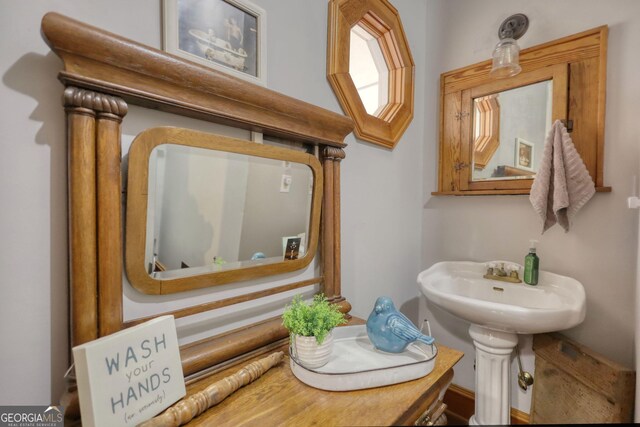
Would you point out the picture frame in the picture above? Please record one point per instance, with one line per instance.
(227, 35)
(524, 155)
(292, 247)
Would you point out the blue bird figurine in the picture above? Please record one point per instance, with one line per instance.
(391, 331)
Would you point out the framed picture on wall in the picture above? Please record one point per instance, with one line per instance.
(227, 35)
(524, 154)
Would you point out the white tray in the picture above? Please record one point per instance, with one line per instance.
(355, 364)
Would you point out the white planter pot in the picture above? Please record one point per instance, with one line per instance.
(309, 353)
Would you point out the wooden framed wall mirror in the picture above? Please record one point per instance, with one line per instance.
(492, 132)
(370, 68)
(205, 210)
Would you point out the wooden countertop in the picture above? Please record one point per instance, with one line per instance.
(278, 398)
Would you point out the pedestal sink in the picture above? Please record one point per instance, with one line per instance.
(498, 311)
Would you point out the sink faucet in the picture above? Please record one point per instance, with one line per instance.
(509, 274)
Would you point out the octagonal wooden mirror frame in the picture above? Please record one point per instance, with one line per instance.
(382, 21)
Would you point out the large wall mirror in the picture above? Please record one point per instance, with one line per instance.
(492, 132)
(205, 210)
(370, 68)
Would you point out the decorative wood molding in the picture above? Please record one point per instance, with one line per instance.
(461, 403)
(332, 153)
(576, 47)
(331, 224)
(207, 306)
(383, 22)
(98, 60)
(75, 97)
(95, 245)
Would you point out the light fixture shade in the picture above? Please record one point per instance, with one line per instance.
(505, 59)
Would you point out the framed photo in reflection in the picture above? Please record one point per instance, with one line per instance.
(292, 248)
(525, 152)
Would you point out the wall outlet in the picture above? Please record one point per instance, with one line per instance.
(285, 183)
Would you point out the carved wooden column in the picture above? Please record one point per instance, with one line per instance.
(95, 242)
(110, 246)
(81, 136)
(331, 225)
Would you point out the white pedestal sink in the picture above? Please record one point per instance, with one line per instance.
(498, 311)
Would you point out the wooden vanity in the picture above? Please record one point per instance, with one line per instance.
(102, 74)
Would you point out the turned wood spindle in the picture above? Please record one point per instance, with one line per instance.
(189, 408)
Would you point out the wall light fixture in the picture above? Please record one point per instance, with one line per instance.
(507, 52)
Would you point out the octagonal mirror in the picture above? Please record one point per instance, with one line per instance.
(370, 68)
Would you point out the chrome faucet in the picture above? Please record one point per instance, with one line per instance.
(500, 273)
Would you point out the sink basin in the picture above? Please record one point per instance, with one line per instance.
(556, 303)
(498, 311)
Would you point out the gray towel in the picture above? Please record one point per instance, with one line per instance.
(562, 184)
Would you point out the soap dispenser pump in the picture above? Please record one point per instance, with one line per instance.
(531, 264)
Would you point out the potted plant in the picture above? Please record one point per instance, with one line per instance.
(310, 327)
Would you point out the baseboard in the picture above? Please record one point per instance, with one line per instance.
(461, 402)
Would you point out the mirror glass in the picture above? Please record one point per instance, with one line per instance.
(368, 70)
(509, 131)
(211, 211)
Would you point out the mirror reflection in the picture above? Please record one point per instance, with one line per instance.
(509, 131)
(368, 70)
(212, 210)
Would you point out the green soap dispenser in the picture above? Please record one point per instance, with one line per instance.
(531, 264)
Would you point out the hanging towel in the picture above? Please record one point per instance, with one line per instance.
(562, 184)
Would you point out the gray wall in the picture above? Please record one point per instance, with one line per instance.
(270, 214)
(202, 195)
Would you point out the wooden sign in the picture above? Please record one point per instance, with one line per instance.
(130, 376)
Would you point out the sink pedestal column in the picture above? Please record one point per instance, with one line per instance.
(493, 367)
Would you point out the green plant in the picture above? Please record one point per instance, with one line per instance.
(312, 320)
